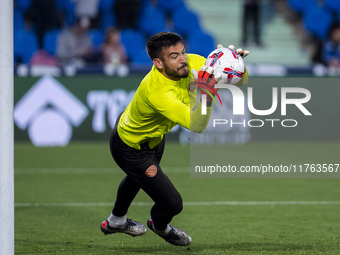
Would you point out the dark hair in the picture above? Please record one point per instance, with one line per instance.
(160, 41)
(108, 32)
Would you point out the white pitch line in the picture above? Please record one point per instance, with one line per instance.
(86, 170)
(211, 203)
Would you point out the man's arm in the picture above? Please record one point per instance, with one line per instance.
(199, 121)
(187, 116)
(205, 81)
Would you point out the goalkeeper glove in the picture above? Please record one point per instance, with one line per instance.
(242, 53)
(205, 80)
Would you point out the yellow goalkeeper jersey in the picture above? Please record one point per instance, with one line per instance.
(158, 105)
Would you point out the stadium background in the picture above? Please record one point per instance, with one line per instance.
(65, 186)
(290, 29)
(288, 40)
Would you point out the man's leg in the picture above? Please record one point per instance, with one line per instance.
(127, 191)
(168, 201)
(128, 188)
(143, 171)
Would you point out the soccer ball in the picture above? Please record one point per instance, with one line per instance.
(227, 62)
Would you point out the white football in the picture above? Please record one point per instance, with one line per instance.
(227, 62)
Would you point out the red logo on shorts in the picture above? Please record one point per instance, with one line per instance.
(151, 171)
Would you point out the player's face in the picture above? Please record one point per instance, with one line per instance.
(175, 64)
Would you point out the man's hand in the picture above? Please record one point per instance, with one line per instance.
(242, 53)
(205, 80)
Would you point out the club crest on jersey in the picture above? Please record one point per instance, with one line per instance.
(192, 86)
(151, 171)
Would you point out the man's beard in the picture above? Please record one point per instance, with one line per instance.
(175, 73)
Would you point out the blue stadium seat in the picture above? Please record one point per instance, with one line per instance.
(106, 4)
(68, 8)
(152, 21)
(18, 19)
(201, 43)
(107, 19)
(144, 5)
(185, 21)
(301, 6)
(134, 42)
(332, 5)
(106, 14)
(318, 21)
(97, 37)
(141, 58)
(25, 44)
(23, 5)
(171, 5)
(50, 40)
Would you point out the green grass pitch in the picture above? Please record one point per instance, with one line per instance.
(63, 194)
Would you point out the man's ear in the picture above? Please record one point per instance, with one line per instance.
(158, 63)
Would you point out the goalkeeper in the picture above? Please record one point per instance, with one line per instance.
(137, 142)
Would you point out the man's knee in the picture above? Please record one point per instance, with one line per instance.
(176, 205)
